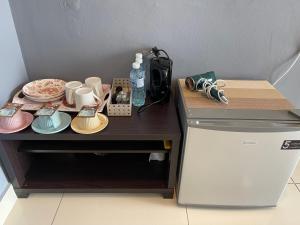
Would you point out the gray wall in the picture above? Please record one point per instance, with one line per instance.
(12, 68)
(236, 38)
(289, 85)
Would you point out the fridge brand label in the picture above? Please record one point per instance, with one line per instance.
(249, 142)
(291, 145)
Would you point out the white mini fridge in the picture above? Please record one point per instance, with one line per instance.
(236, 158)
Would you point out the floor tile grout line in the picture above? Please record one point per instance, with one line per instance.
(295, 184)
(292, 180)
(57, 208)
(297, 187)
(187, 215)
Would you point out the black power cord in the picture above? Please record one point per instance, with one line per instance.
(156, 52)
(144, 107)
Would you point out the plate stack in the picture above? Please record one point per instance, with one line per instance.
(45, 90)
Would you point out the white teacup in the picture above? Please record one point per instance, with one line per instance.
(70, 88)
(88, 123)
(96, 84)
(85, 97)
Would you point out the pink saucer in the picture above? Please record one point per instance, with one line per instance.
(28, 118)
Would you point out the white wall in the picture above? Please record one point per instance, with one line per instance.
(12, 68)
(3, 183)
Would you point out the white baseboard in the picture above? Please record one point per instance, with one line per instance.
(7, 203)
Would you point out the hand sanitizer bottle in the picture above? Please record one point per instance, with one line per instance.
(137, 83)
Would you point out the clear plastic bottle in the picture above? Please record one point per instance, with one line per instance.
(142, 67)
(144, 61)
(139, 59)
(137, 83)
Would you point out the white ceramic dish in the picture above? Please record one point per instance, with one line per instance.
(44, 99)
(45, 88)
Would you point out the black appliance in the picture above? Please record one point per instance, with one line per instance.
(160, 75)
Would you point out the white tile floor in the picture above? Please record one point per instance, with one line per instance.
(141, 209)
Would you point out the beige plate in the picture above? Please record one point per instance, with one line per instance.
(44, 100)
(103, 124)
(45, 88)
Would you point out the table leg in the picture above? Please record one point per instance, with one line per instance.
(169, 194)
(174, 154)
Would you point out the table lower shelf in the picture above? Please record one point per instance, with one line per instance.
(91, 171)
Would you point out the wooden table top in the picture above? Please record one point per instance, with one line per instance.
(242, 94)
(159, 122)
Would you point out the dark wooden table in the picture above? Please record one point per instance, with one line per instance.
(113, 160)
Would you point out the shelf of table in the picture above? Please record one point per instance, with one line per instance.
(92, 146)
(110, 171)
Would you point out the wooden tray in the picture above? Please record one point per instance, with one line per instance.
(242, 94)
